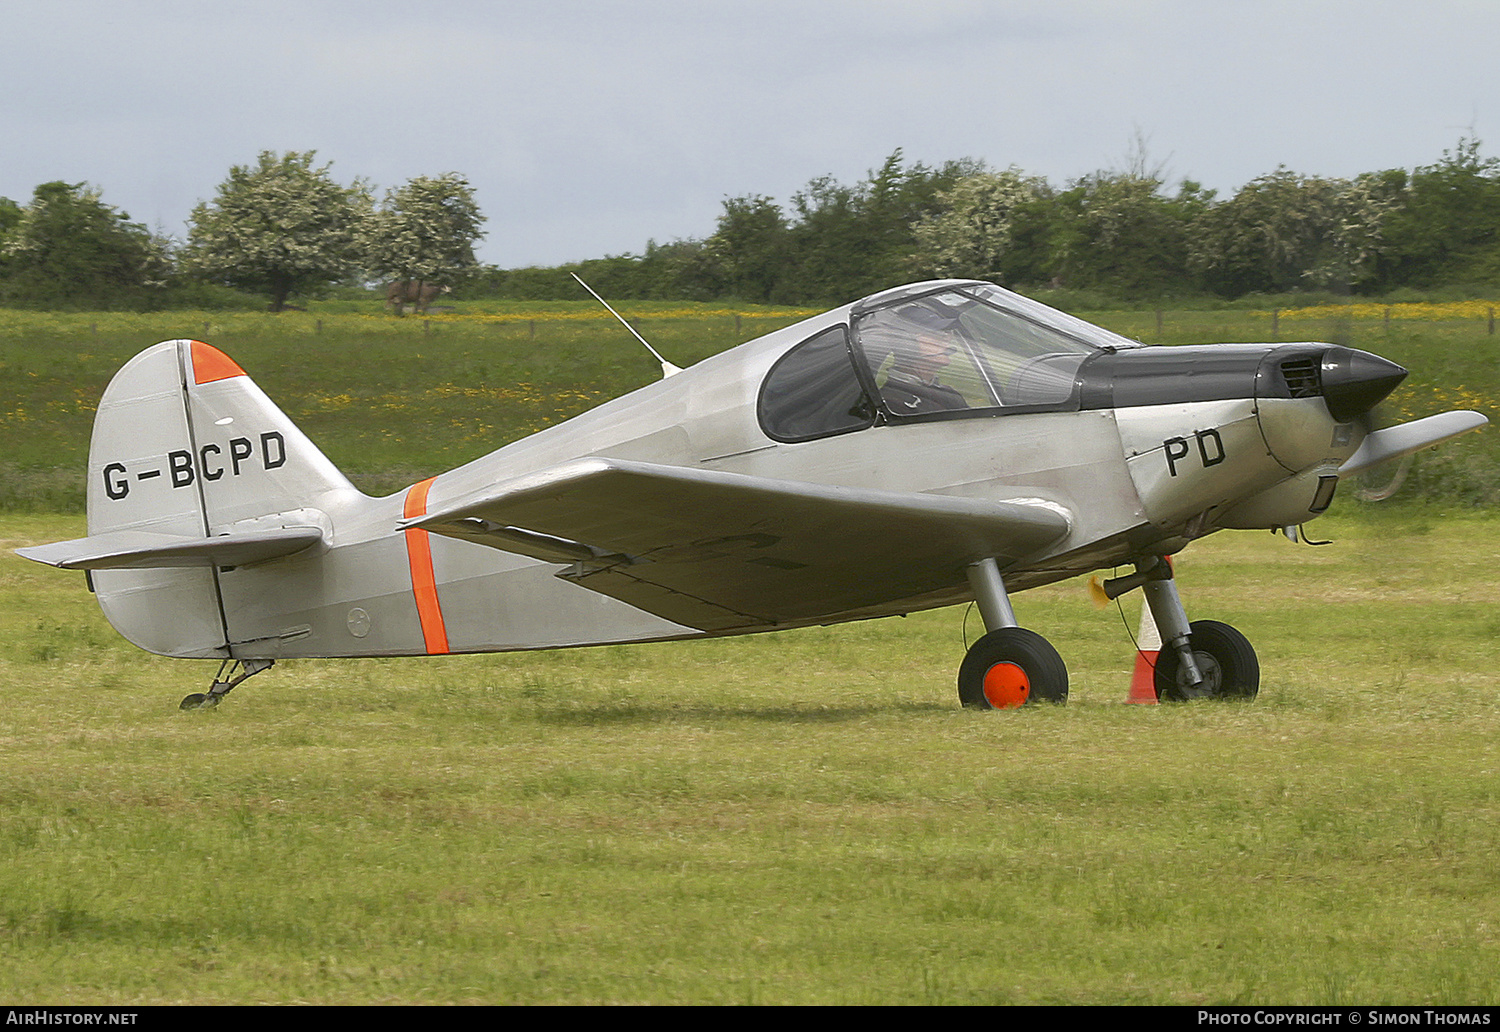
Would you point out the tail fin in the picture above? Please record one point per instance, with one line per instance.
(191, 468)
(186, 443)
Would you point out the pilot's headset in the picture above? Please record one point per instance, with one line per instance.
(924, 318)
(890, 334)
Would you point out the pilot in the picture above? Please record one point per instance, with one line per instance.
(911, 387)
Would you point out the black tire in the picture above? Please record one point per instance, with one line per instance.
(1031, 671)
(1225, 658)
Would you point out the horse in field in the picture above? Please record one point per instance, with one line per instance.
(417, 293)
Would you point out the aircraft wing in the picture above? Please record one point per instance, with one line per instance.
(718, 550)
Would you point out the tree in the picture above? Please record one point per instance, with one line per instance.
(280, 226)
(10, 217)
(1447, 227)
(1118, 231)
(424, 232)
(973, 235)
(840, 241)
(1284, 231)
(68, 248)
(748, 250)
(848, 241)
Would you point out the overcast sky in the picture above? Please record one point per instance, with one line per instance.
(588, 127)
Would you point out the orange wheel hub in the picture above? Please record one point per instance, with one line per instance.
(1006, 686)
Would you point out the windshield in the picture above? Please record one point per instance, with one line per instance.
(975, 347)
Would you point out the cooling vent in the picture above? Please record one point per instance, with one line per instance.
(1302, 377)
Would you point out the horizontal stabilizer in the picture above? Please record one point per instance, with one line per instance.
(144, 550)
(1396, 441)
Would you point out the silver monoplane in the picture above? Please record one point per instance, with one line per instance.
(925, 446)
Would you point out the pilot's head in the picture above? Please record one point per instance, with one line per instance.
(936, 336)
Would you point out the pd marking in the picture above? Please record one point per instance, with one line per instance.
(1210, 449)
(212, 463)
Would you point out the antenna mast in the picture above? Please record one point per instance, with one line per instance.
(667, 368)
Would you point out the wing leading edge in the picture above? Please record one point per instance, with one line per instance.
(717, 550)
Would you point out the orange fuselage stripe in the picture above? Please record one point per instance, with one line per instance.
(423, 580)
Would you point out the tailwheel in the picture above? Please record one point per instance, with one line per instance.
(1012, 667)
(1225, 659)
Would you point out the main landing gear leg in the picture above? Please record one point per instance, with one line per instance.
(1204, 659)
(1010, 666)
(231, 673)
(1172, 622)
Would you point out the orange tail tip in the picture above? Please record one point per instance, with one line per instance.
(210, 364)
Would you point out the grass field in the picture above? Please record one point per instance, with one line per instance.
(805, 817)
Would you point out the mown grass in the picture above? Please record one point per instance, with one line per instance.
(805, 817)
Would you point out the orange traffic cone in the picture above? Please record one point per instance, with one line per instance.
(1148, 645)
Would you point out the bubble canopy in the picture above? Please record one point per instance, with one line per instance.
(933, 351)
(973, 347)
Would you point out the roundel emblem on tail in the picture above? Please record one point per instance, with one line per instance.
(210, 364)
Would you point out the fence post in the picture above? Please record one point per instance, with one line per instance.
(1275, 324)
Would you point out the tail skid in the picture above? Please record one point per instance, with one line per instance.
(232, 673)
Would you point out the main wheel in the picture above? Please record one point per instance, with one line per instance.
(1012, 667)
(1224, 657)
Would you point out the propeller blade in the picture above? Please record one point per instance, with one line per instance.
(1405, 438)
